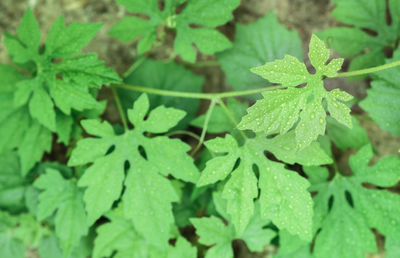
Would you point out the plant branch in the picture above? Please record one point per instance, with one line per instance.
(210, 96)
(182, 132)
(205, 125)
(119, 107)
(204, 63)
(134, 66)
(231, 117)
(368, 70)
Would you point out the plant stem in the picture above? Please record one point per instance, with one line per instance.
(205, 125)
(368, 70)
(204, 63)
(231, 117)
(134, 66)
(119, 107)
(182, 132)
(210, 96)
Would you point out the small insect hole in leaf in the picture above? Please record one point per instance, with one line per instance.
(315, 237)
(311, 69)
(330, 203)
(388, 51)
(388, 15)
(127, 166)
(56, 60)
(256, 171)
(349, 198)
(301, 85)
(110, 150)
(161, 4)
(237, 163)
(370, 32)
(142, 152)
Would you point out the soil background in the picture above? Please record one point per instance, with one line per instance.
(305, 16)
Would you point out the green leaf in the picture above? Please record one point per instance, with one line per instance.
(219, 121)
(49, 248)
(118, 235)
(208, 41)
(17, 232)
(142, 158)
(182, 249)
(284, 198)
(212, 231)
(63, 197)
(273, 41)
(163, 76)
(147, 200)
(344, 137)
(207, 14)
(19, 131)
(65, 41)
(13, 121)
(240, 191)
(60, 78)
(256, 236)
(161, 119)
(35, 142)
(382, 102)
(130, 28)
(354, 41)
(12, 184)
(289, 71)
(284, 148)
(392, 247)
(32, 107)
(25, 47)
(292, 246)
(41, 107)
(10, 247)
(119, 238)
(346, 211)
(280, 110)
(29, 32)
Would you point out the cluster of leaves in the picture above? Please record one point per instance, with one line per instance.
(51, 83)
(129, 192)
(373, 31)
(205, 14)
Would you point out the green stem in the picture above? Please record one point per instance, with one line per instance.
(134, 66)
(205, 125)
(368, 70)
(119, 107)
(231, 117)
(210, 96)
(182, 132)
(204, 63)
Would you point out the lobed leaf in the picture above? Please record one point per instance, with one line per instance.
(349, 214)
(148, 195)
(64, 198)
(284, 197)
(207, 14)
(354, 41)
(280, 110)
(254, 44)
